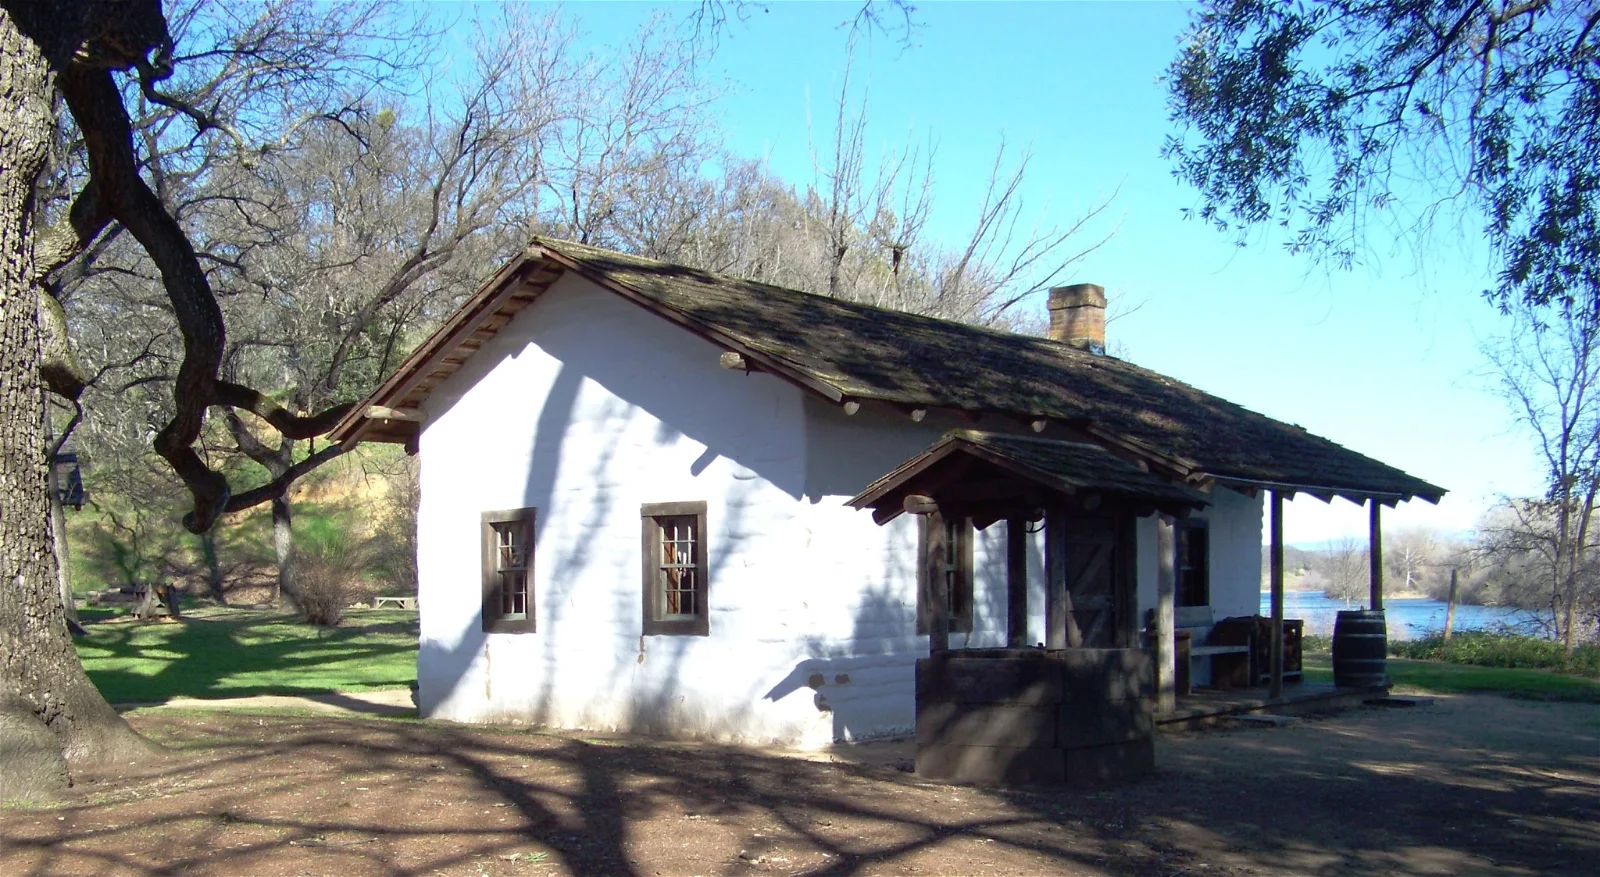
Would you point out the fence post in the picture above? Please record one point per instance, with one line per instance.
(1450, 610)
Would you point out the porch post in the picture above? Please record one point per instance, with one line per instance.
(935, 575)
(1017, 582)
(1375, 552)
(1055, 561)
(1275, 688)
(1166, 586)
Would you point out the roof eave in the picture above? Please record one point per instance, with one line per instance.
(1326, 493)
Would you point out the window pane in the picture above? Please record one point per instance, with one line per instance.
(514, 593)
(510, 550)
(678, 579)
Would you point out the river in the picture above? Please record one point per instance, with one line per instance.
(1407, 617)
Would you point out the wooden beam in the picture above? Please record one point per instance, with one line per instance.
(1055, 561)
(1128, 581)
(383, 412)
(1166, 588)
(1275, 688)
(933, 565)
(918, 504)
(1017, 582)
(732, 359)
(1375, 552)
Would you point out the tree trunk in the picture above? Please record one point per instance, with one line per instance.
(208, 550)
(283, 547)
(1575, 551)
(52, 719)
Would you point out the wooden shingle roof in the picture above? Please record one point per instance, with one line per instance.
(850, 352)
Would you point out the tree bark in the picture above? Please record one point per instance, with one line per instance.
(52, 719)
(1575, 550)
(283, 547)
(208, 550)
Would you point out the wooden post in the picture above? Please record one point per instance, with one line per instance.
(1017, 582)
(935, 574)
(1375, 552)
(1450, 608)
(1275, 687)
(1166, 587)
(1055, 561)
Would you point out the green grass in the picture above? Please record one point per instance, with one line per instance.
(237, 652)
(1438, 677)
(1491, 649)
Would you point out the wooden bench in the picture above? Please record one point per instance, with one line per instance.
(397, 602)
(1191, 633)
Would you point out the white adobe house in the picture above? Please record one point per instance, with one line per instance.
(665, 501)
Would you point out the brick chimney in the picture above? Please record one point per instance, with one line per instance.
(1078, 316)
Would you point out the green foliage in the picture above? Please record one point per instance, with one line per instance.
(1333, 118)
(235, 652)
(1312, 642)
(1487, 649)
(116, 542)
(123, 538)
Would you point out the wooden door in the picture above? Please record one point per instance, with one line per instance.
(1096, 581)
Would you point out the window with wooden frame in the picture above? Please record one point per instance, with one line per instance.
(508, 604)
(945, 549)
(676, 587)
(1193, 564)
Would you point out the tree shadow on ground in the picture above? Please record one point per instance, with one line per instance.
(1481, 783)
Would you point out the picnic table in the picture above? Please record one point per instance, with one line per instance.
(397, 602)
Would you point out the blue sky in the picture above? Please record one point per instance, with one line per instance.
(1384, 359)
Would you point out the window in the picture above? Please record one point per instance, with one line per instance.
(946, 552)
(508, 605)
(676, 592)
(1194, 564)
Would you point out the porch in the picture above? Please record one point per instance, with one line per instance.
(1210, 706)
(1082, 709)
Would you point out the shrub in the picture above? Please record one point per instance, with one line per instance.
(1489, 649)
(325, 568)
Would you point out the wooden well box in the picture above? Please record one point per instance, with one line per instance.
(1036, 717)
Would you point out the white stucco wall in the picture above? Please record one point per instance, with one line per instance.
(588, 406)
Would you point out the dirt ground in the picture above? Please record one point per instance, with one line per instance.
(1467, 785)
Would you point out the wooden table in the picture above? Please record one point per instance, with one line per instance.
(397, 602)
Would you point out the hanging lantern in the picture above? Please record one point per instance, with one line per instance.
(69, 480)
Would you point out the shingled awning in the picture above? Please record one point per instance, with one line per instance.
(993, 475)
(850, 353)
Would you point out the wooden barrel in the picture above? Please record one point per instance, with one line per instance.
(1360, 649)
